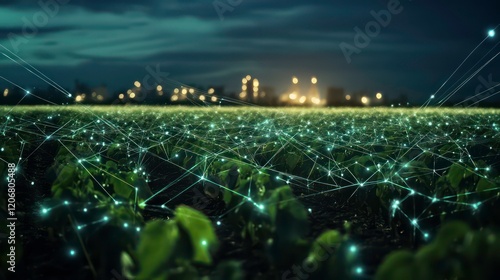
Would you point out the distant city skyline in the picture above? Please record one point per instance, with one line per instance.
(387, 45)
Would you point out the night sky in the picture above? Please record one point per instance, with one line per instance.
(112, 42)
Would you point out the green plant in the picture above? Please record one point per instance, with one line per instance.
(457, 252)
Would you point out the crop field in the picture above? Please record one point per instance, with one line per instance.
(251, 193)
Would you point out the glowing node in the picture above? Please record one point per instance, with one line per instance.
(138, 229)
(125, 225)
(353, 249)
(204, 243)
(491, 33)
(426, 235)
(314, 80)
(395, 204)
(218, 223)
(414, 222)
(379, 95)
(359, 270)
(72, 252)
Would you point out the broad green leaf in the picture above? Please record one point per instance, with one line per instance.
(156, 248)
(325, 245)
(398, 265)
(457, 173)
(201, 233)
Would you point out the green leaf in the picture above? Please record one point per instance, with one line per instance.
(398, 265)
(201, 233)
(65, 180)
(457, 173)
(451, 232)
(287, 214)
(292, 159)
(156, 248)
(123, 186)
(485, 185)
(325, 245)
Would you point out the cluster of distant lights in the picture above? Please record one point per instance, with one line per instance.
(365, 100)
(296, 98)
(182, 93)
(177, 94)
(250, 89)
(248, 83)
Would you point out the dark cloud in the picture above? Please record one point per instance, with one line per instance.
(274, 39)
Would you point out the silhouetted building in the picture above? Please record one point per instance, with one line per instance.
(335, 96)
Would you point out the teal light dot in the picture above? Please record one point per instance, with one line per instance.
(353, 249)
